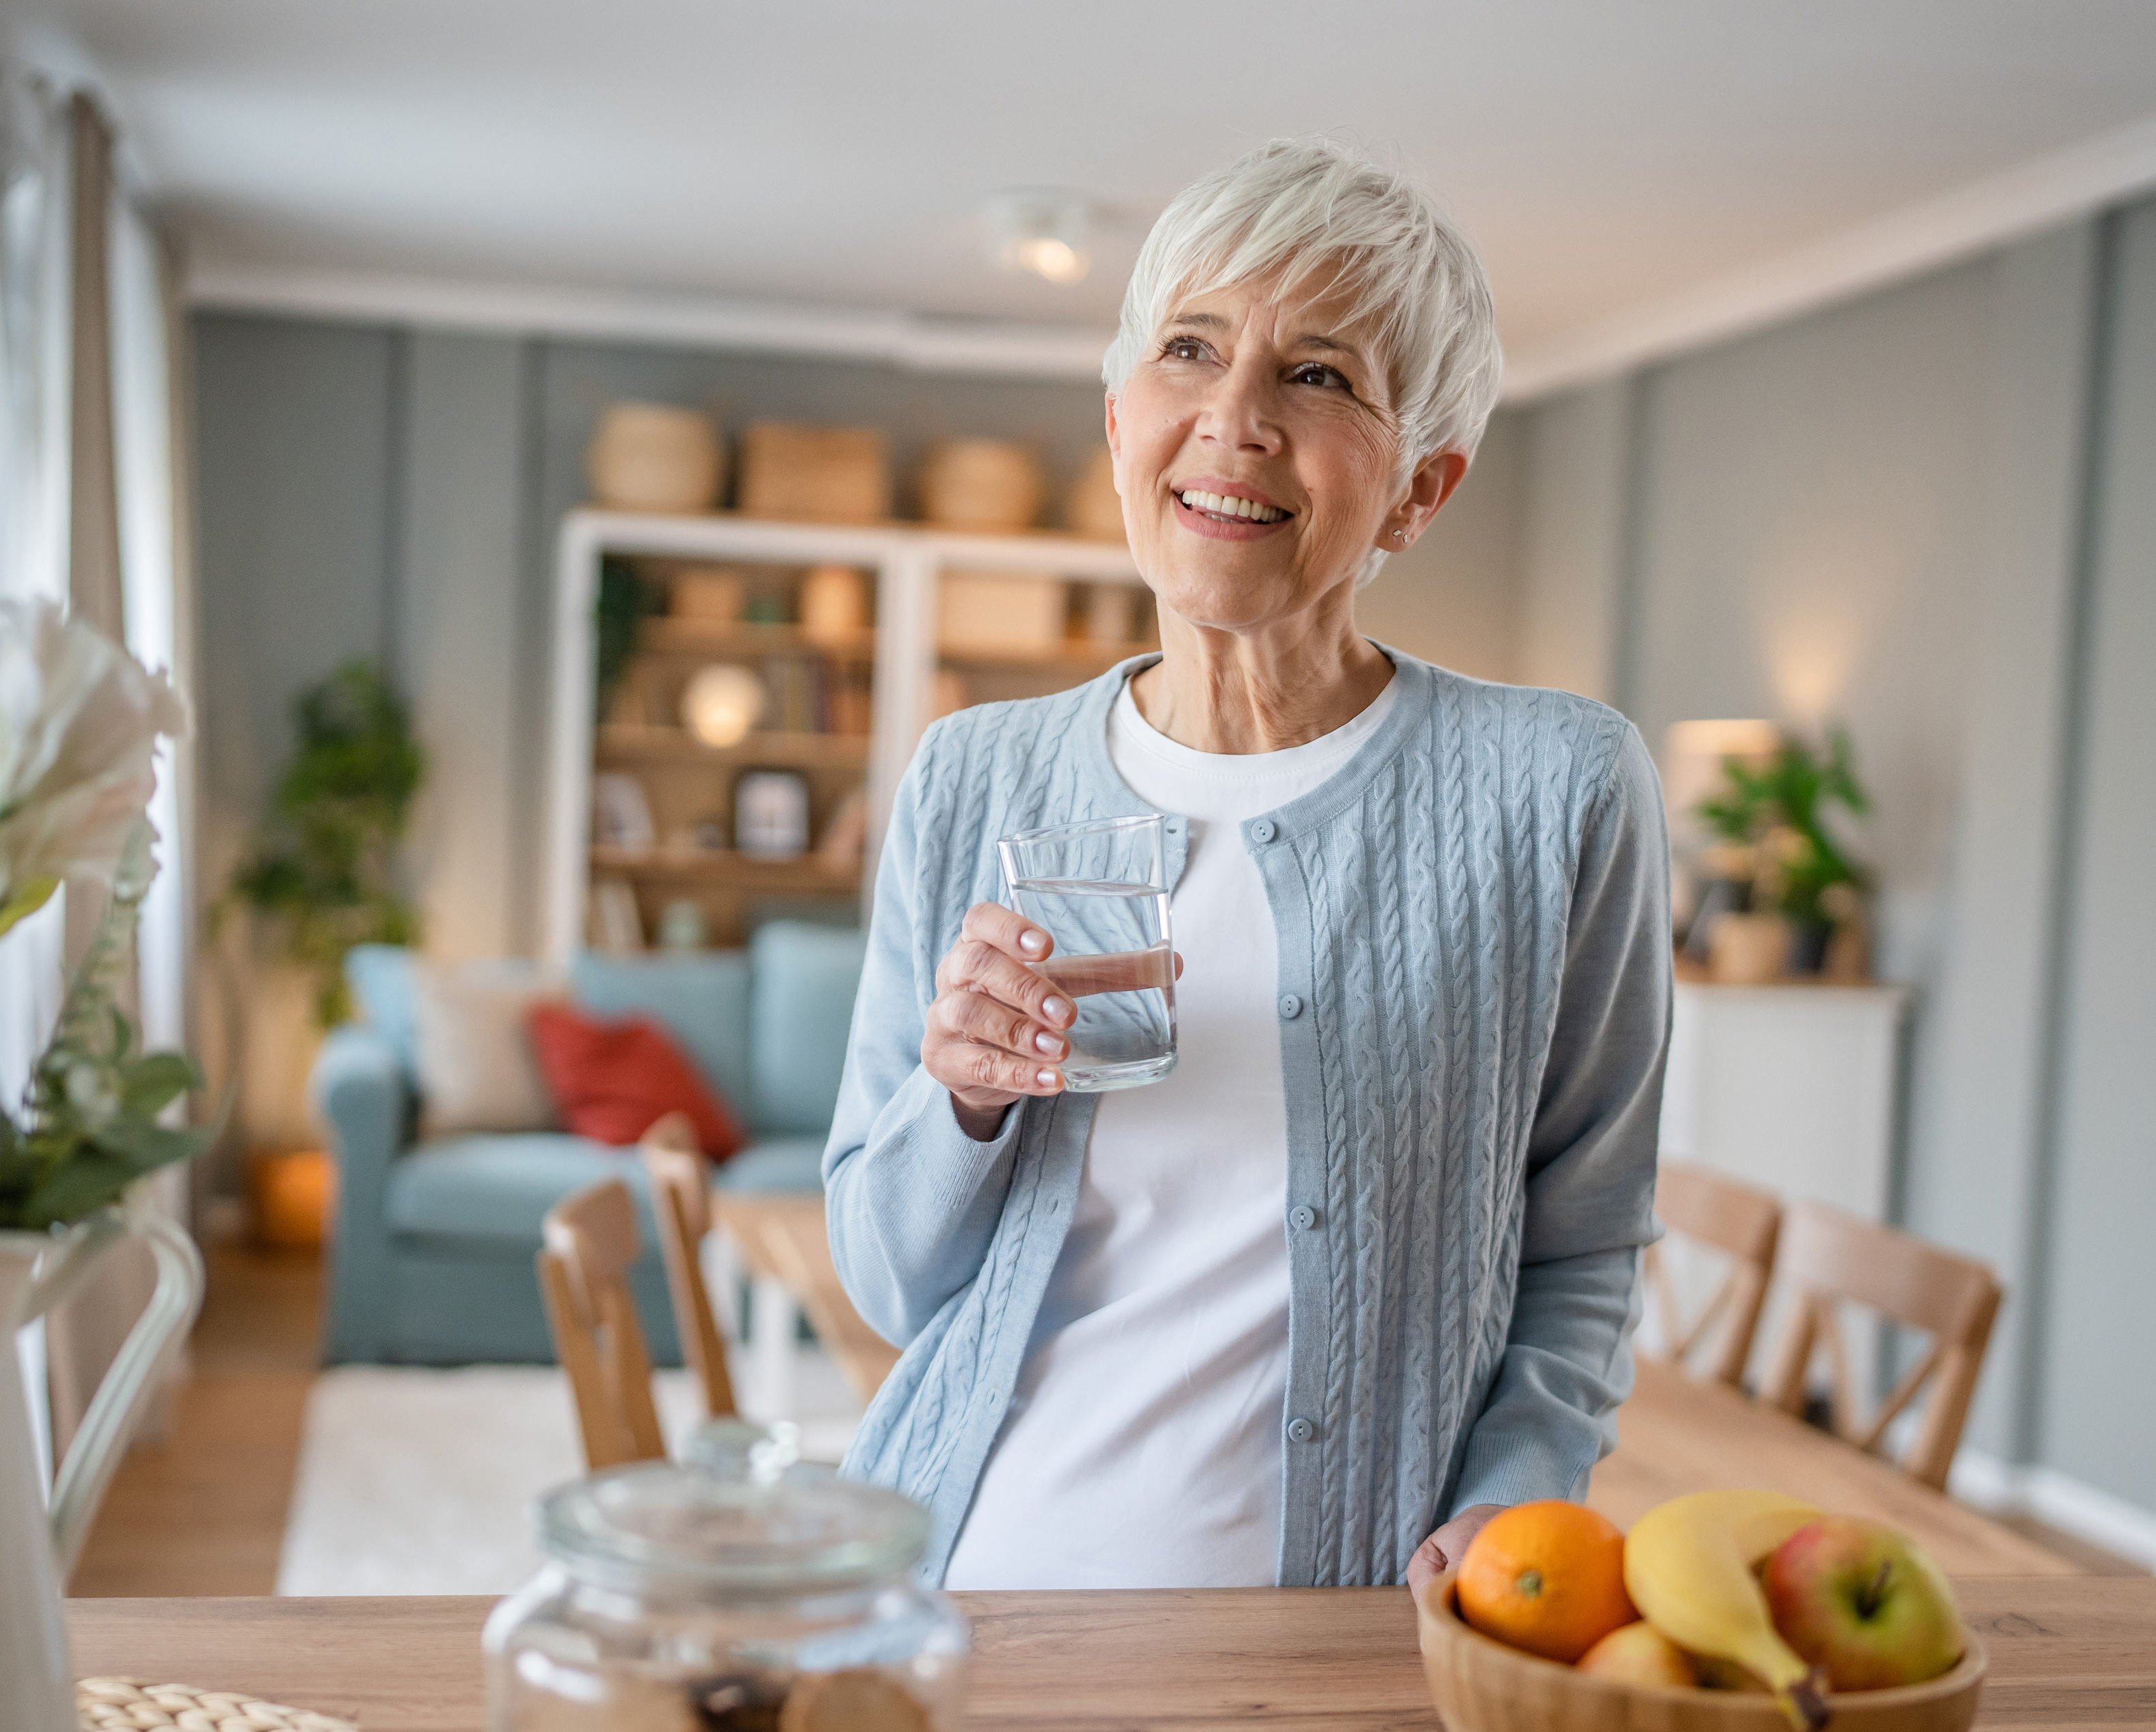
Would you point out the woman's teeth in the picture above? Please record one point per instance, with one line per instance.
(1227, 505)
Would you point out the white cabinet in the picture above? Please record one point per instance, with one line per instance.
(1792, 1088)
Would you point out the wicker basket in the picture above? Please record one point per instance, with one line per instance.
(653, 457)
(984, 484)
(814, 475)
(1479, 1685)
(125, 1704)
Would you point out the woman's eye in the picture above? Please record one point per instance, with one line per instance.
(1312, 372)
(1184, 348)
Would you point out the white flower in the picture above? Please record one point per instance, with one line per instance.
(80, 721)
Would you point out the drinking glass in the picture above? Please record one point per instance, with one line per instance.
(1099, 890)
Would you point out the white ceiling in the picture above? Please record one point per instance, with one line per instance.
(1611, 156)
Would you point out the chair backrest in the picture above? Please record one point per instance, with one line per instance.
(681, 1205)
(590, 1243)
(1732, 1218)
(783, 1234)
(1827, 1256)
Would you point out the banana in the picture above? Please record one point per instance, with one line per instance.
(1688, 1568)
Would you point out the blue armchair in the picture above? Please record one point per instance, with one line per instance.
(433, 1260)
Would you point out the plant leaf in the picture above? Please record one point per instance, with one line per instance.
(86, 1181)
(26, 900)
(153, 1081)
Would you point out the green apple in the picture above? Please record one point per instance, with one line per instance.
(1862, 1601)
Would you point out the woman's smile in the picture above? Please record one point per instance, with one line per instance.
(1227, 510)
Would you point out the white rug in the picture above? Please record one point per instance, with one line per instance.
(421, 1481)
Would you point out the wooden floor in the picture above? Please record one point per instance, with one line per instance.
(200, 1509)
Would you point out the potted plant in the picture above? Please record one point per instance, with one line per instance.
(1780, 813)
(322, 868)
(79, 721)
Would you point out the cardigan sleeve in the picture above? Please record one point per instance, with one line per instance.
(1551, 1410)
(910, 1200)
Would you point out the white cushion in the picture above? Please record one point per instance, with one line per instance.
(476, 1068)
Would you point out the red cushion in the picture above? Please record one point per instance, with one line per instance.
(613, 1081)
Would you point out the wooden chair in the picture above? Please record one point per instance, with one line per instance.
(590, 1243)
(1828, 1257)
(1734, 1218)
(681, 1204)
(781, 1237)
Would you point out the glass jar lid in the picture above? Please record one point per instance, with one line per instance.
(658, 1524)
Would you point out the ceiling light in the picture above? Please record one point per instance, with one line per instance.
(1038, 229)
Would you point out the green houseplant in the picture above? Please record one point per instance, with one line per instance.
(1780, 811)
(322, 867)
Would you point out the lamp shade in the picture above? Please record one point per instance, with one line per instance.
(1693, 754)
(721, 704)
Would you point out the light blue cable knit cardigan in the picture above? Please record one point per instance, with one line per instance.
(1475, 981)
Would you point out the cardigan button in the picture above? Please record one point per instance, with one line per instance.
(1291, 1007)
(1302, 1217)
(1300, 1429)
(1263, 830)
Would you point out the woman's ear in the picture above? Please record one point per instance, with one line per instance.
(1429, 486)
(1114, 436)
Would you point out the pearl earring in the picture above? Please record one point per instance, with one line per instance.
(1399, 535)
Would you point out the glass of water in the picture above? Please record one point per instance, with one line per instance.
(1099, 890)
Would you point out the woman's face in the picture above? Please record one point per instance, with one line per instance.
(1255, 455)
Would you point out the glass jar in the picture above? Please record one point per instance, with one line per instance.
(679, 1599)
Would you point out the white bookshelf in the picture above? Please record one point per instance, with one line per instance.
(906, 560)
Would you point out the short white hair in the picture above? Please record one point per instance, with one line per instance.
(1298, 206)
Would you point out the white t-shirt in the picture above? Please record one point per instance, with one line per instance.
(1142, 1446)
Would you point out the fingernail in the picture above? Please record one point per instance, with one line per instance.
(1050, 1044)
(1033, 944)
(1045, 1078)
(1054, 1009)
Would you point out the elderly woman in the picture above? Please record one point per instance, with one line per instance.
(1361, 1271)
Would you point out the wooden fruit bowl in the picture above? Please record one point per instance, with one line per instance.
(1481, 1685)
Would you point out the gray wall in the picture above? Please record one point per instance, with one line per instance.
(293, 457)
(1926, 513)
(2095, 1412)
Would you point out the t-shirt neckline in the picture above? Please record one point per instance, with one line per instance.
(1339, 745)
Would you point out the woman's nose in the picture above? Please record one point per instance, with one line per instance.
(1241, 412)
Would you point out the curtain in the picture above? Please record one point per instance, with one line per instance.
(33, 497)
(34, 400)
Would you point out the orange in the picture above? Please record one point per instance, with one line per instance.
(1547, 1577)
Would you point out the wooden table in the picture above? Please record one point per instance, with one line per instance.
(2066, 1651)
(1678, 1434)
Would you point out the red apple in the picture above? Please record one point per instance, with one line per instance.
(1862, 1601)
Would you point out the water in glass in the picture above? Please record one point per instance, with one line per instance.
(1099, 890)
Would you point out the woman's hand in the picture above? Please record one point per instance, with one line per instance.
(995, 1031)
(1446, 1547)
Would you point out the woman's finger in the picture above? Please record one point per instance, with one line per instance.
(965, 1066)
(976, 1016)
(1009, 932)
(975, 965)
